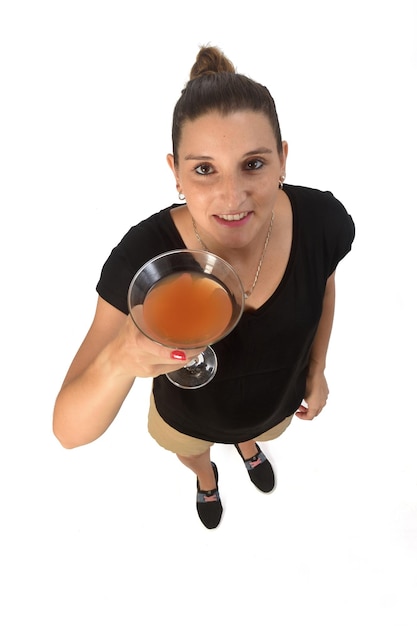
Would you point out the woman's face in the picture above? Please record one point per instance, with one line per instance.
(229, 169)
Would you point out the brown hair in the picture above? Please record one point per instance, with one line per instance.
(215, 85)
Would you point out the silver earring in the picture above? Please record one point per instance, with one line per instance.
(181, 196)
(281, 182)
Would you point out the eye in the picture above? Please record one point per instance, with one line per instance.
(254, 164)
(203, 169)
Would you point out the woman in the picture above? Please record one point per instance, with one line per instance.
(285, 242)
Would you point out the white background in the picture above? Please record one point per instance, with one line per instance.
(108, 534)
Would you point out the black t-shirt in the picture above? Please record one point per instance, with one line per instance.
(262, 363)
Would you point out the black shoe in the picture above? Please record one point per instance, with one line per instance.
(260, 470)
(209, 506)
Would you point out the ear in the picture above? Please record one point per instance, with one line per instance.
(284, 152)
(283, 158)
(170, 161)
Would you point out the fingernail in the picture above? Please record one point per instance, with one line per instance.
(179, 355)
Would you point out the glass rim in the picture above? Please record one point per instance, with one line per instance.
(199, 252)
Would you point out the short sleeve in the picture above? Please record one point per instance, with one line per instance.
(340, 232)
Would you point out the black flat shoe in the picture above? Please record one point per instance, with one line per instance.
(209, 506)
(260, 470)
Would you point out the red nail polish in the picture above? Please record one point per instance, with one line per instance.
(179, 355)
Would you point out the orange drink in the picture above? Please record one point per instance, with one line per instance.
(187, 309)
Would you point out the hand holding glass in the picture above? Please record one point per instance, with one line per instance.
(185, 300)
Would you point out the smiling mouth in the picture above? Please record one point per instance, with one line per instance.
(236, 217)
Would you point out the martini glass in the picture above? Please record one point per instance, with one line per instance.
(186, 300)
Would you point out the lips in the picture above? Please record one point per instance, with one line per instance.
(236, 217)
(233, 217)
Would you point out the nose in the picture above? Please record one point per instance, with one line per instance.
(232, 190)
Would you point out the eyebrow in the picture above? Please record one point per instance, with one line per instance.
(202, 157)
(195, 157)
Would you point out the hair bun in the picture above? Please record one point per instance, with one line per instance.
(211, 60)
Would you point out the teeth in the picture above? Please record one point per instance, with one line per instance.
(234, 218)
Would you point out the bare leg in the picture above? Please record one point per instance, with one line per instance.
(201, 466)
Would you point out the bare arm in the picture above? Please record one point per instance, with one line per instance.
(102, 373)
(317, 390)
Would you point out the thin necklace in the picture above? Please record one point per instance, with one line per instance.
(261, 260)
